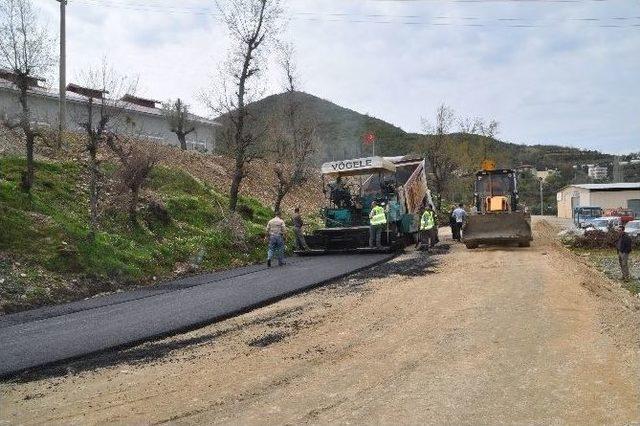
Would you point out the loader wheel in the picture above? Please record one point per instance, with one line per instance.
(471, 246)
(524, 244)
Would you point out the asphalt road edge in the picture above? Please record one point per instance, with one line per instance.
(15, 375)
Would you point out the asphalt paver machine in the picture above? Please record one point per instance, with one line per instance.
(399, 184)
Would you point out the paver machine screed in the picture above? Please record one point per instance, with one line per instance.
(497, 217)
(399, 184)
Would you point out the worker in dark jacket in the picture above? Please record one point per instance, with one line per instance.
(624, 245)
(452, 223)
(298, 223)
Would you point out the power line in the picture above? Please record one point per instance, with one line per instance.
(410, 20)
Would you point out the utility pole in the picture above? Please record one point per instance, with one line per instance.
(62, 113)
(541, 199)
(617, 170)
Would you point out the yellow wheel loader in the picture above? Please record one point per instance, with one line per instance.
(497, 218)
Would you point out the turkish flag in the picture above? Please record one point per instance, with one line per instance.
(368, 138)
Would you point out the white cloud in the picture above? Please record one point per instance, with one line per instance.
(563, 82)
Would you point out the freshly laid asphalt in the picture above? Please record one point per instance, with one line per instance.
(48, 335)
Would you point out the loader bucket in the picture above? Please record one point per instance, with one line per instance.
(497, 228)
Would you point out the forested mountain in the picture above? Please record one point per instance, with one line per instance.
(340, 131)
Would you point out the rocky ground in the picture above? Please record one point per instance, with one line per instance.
(491, 335)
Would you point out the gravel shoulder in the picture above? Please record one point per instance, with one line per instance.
(491, 335)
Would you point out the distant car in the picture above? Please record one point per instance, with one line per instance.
(605, 223)
(625, 215)
(633, 228)
(582, 216)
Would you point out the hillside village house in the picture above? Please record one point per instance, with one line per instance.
(544, 174)
(140, 117)
(605, 195)
(540, 174)
(597, 172)
(526, 168)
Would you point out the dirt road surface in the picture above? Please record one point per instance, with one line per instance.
(494, 335)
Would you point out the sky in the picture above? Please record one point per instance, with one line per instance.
(564, 72)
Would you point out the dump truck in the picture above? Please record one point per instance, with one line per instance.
(497, 217)
(399, 184)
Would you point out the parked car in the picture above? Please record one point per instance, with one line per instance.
(605, 223)
(625, 215)
(633, 228)
(582, 216)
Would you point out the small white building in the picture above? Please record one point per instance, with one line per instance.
(140, 117)
(604, 195)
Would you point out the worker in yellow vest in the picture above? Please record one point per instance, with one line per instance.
(377, 223)
(428, 229)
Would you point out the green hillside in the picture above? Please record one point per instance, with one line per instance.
(46, 257)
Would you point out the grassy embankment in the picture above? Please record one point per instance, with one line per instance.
(598, 249)
(606, 261)
(46, 257)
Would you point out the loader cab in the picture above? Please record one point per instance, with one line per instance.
(496, 191)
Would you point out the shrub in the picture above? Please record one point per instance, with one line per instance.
(159, 212)
(245, 211)
(595, 239)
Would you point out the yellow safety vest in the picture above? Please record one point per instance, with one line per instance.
(428, 221)
(377, 217)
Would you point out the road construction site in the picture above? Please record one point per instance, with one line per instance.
(495, 334)
(53, 334)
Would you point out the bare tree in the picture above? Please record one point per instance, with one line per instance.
(100, 120)
(25, 50)
(178, 117)
(252, 26)
(489, 131)
(477, 126)
(468, 125)
(136, 164)
(439, 151)
(293, 135)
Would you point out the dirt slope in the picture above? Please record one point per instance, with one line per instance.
(214, 170)
(493, 335)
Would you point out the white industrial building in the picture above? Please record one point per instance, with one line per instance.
(138, 117)
(604, 195)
